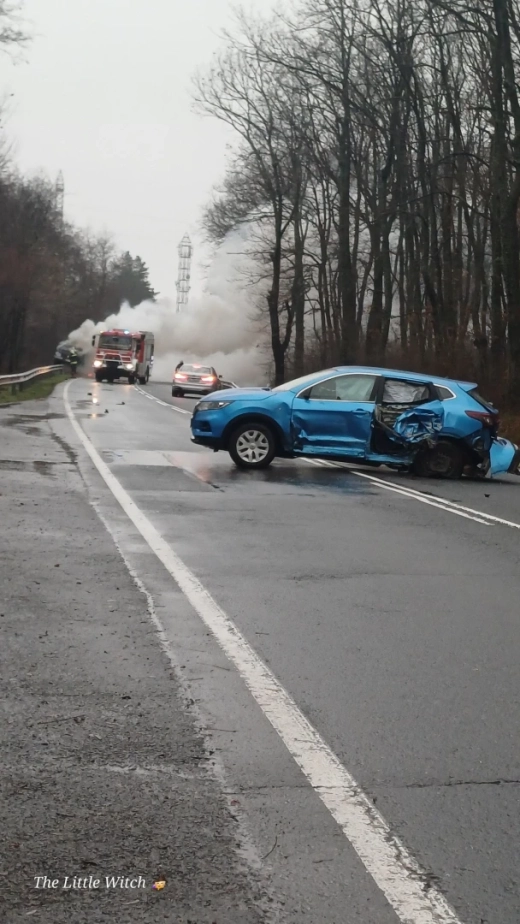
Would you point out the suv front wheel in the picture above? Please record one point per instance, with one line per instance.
(252, 445)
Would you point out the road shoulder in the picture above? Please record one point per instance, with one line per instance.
(103, 769)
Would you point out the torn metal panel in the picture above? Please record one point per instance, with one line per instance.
(421, 423)
(504, 457)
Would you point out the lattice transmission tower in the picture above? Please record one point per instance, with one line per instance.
(59, 192)
(185, 251)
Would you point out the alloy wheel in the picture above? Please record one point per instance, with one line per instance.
(252, 446)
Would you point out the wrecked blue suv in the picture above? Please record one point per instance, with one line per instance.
(432, 426)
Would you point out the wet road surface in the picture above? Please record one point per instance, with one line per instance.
(390, 619)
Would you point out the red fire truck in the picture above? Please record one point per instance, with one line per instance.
(123, 354)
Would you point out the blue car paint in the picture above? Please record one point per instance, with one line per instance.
(502, 454)
(328, 428)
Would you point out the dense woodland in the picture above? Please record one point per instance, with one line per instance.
(378, 160)
(52, 275)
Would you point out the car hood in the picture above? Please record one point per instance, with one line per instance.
(240, 394)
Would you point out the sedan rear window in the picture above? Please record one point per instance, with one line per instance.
(198, 370)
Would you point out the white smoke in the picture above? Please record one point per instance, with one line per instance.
(216, 328)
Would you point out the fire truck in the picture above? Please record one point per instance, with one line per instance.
(123, 354)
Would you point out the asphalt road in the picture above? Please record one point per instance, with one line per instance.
(385, 606)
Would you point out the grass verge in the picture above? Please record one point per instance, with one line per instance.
(40, 388)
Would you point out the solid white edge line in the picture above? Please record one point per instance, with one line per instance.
(173, 407)
(394, 870)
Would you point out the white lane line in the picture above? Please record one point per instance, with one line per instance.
(172, 407)
(397, 489)
(453, 505)
(395, 871)
(489, 518)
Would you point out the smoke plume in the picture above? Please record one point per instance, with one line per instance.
(216, 328)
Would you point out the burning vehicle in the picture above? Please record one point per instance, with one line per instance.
(62, 352)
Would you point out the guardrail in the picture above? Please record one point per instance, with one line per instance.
(18, 381)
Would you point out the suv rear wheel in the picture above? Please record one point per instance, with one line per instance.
(445, 460)
(252, 445)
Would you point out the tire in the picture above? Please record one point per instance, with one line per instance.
(131, 379)
(445, 460)
(177, 393)
(252, 445)
(143, 379)
(99, 376)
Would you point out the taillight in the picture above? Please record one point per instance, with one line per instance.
(181, 375)
(208, 378)
(487, 420)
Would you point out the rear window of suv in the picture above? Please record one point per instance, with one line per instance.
(444, 393)
(480, 400)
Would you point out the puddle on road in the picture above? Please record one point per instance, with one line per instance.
(17, 419)
(283, 477)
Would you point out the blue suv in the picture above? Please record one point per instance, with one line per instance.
(433, 426)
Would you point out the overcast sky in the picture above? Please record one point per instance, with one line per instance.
(102, 93)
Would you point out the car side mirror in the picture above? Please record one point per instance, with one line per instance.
(220, 376)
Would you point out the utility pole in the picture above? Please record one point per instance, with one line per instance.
(185, 251)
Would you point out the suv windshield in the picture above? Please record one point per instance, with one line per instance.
(296, 383)
(113, 342)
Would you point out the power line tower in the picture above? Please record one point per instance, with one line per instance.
(59, 191)
(185, 251)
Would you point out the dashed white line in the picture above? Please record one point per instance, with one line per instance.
(395, 871)
(172, 407)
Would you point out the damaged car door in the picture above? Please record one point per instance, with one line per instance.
(407, 415)
(334, 416)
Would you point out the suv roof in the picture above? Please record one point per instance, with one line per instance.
(409, 376)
